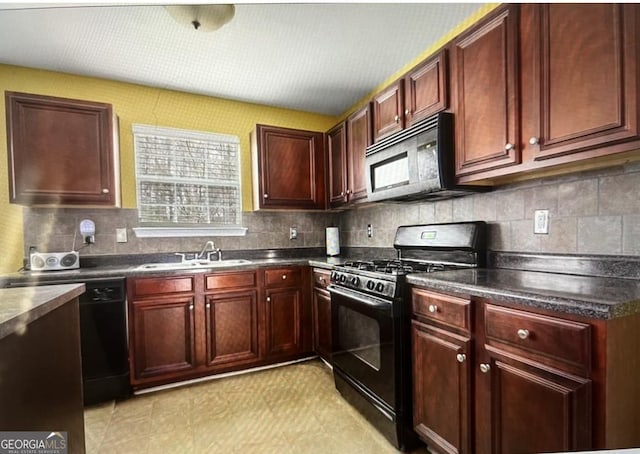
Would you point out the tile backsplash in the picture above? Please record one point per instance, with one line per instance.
(595, 212)
(50, 229)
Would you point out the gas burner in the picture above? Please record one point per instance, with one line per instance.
(394, 267)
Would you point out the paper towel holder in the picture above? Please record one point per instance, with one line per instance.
(333, 241)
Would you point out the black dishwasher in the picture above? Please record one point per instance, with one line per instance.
(103, 332)
(103, 337)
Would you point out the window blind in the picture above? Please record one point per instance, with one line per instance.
(187, 177)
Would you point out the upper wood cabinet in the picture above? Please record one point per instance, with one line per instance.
(486, 90)
(388, 111)
(61, 151)
(581, 77)
(288, 168)
(337, 155)
(346, 146)
(556, 84)
(419, 94)
(426, 89)
(358, 139)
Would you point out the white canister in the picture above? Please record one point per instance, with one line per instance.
(333, 241)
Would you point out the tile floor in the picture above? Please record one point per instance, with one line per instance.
(290, 409)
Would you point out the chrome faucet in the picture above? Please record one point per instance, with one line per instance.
(210, 244)
(214, 249)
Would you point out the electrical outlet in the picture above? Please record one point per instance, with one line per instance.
(369, 230)
(121, 235)
(541, 222)
(293, 233)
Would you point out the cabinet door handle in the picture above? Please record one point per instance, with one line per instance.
(190, 307)
(508, 147)
(268, 299)
(348, 191)
(105, 191)
(484, 368)
(406, 112)
(208, 305)
(534, 141)
(342, 194)
(523, 333)
(461, 357)
(433, 308)
(266, 196)
(397, 118)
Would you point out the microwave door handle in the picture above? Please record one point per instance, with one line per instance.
(370, 301)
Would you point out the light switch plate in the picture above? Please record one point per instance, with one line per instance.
(121, 235)
(293, 233)
(541, 222)
(369, 230)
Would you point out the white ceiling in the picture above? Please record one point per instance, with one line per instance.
(313, 57)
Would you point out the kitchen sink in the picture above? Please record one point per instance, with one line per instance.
(196, 264)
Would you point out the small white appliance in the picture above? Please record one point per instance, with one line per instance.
(54, 261)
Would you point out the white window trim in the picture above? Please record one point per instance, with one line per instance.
(197, 230)
(173, 232)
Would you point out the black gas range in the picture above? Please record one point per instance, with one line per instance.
(370, 310)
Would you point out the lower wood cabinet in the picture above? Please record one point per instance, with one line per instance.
(232, 328)
(321, 303)
(187, 326)
(521, 380)
(441, 388)
(164, 341)
(287, 312)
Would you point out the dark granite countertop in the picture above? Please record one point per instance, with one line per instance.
(112, 271)
(587, 296)
(21, 306)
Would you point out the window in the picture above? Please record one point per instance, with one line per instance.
(187, 179)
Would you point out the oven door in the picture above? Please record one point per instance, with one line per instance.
(362, 337)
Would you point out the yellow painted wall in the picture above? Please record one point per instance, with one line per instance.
(137, 104)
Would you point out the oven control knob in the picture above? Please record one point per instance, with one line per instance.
(379, 287)
(343, 278)
(371, 285)
(355, 281)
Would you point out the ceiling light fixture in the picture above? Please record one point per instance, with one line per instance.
(206, 18)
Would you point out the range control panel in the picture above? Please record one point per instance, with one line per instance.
(379, 287)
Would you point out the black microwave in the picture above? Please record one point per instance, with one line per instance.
(416, 163)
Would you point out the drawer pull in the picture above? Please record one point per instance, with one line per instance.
(523, 333)
(268, 298)
(461, 357)
(484, 368)
(433, 308)
(284, 276)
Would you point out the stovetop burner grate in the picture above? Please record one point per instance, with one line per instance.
(395, 267)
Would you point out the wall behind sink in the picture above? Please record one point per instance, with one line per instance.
(51, 229)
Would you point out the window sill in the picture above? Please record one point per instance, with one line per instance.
(173, 232)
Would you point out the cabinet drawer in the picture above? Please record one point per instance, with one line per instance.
(321, 278)
(283, 277)
(449, 310)
(230, 280)
(161, 285)
(563, 340)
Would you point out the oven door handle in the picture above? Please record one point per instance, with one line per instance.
(369, 300)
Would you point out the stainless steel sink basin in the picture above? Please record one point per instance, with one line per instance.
(197, 264)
